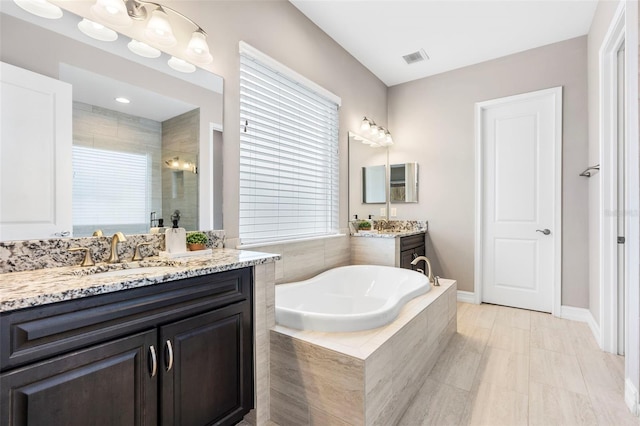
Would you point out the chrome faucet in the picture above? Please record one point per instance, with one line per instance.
(432, 280)
(118, 237)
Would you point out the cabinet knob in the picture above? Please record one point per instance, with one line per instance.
(169, 352)
(154, 361)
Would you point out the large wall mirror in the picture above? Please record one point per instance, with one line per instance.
(160, 152)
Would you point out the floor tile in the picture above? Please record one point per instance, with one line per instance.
(549, 406)
(493, 405)
(509, 338)
(557, 369)
(509, 370)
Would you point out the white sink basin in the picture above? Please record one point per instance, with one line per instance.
(133, 271)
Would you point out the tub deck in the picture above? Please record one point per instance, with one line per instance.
(360, 378)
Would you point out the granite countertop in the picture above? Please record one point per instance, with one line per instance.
(25, 289)
(387, 234)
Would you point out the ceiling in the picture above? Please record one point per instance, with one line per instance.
(453, 33)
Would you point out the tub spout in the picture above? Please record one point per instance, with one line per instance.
(418, 259)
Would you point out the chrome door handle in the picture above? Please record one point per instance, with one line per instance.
(169, 352)
(544, 231)
(154, 361)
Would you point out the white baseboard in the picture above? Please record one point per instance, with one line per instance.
(582, 315)
(466, 296)
(631, 397)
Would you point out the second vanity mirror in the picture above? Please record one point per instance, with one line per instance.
(375, 184)
(172, 129)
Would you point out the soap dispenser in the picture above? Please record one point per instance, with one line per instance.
(175, 238)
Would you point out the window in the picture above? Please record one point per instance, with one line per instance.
(110, 191)
(288, 153)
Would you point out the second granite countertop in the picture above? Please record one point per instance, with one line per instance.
(26, 289)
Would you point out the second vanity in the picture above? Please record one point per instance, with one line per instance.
(389, 248)
(161, 345)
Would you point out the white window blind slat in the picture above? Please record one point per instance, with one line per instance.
(288, 157)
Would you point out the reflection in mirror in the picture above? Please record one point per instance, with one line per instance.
(174, 119)
(128, 167)
(360, 156)
(403, 183)
(374, 187)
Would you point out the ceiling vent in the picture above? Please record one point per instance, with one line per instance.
(414, 57)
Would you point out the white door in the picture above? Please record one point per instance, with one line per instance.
(35, 155)
(520, 148)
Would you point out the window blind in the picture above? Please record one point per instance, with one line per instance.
(110, 188)
(288, 157)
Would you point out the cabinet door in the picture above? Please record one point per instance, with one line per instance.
(109, 384)
(35, 155)
(406, 257)
(207, 375)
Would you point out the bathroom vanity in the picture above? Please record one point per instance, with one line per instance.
(392, 248)
(143, 348)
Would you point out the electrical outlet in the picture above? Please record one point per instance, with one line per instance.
(394, 212)
(383, 211)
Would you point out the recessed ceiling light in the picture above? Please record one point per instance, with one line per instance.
(122, 100)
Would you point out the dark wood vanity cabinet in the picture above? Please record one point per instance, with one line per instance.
(179, 353)
(411, 247)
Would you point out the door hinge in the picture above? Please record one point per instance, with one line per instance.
(620, 240)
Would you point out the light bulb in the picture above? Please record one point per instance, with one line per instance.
(175, 163)
(112, 12)
(388, 139)
(366, 125)
(41, 8)
(374, 130)
(198, 49)
(97, 31)
(381, 132)
(159, 30)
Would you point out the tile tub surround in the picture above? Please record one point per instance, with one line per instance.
(28, 255)
(42, 286)
(367, 377)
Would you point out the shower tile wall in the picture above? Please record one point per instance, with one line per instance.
(180, 138)
(102, 128)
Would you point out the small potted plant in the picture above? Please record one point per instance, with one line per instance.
(196, 241)
(364, 226)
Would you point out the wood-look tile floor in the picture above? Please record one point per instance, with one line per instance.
(510, 366)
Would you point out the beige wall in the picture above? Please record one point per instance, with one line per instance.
(279, 30)
(599, 26)
(432, 121)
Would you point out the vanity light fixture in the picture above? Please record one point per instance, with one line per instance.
(41, 8)
(157, 31)
(97, 31)
(379, 136)
(177, 165)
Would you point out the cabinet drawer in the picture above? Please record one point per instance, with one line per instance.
(411, 242)
(37, 333)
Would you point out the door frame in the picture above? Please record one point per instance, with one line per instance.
(480, 108)
(608, 250)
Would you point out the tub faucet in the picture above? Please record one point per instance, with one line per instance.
(432, 280)
(118, 237)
